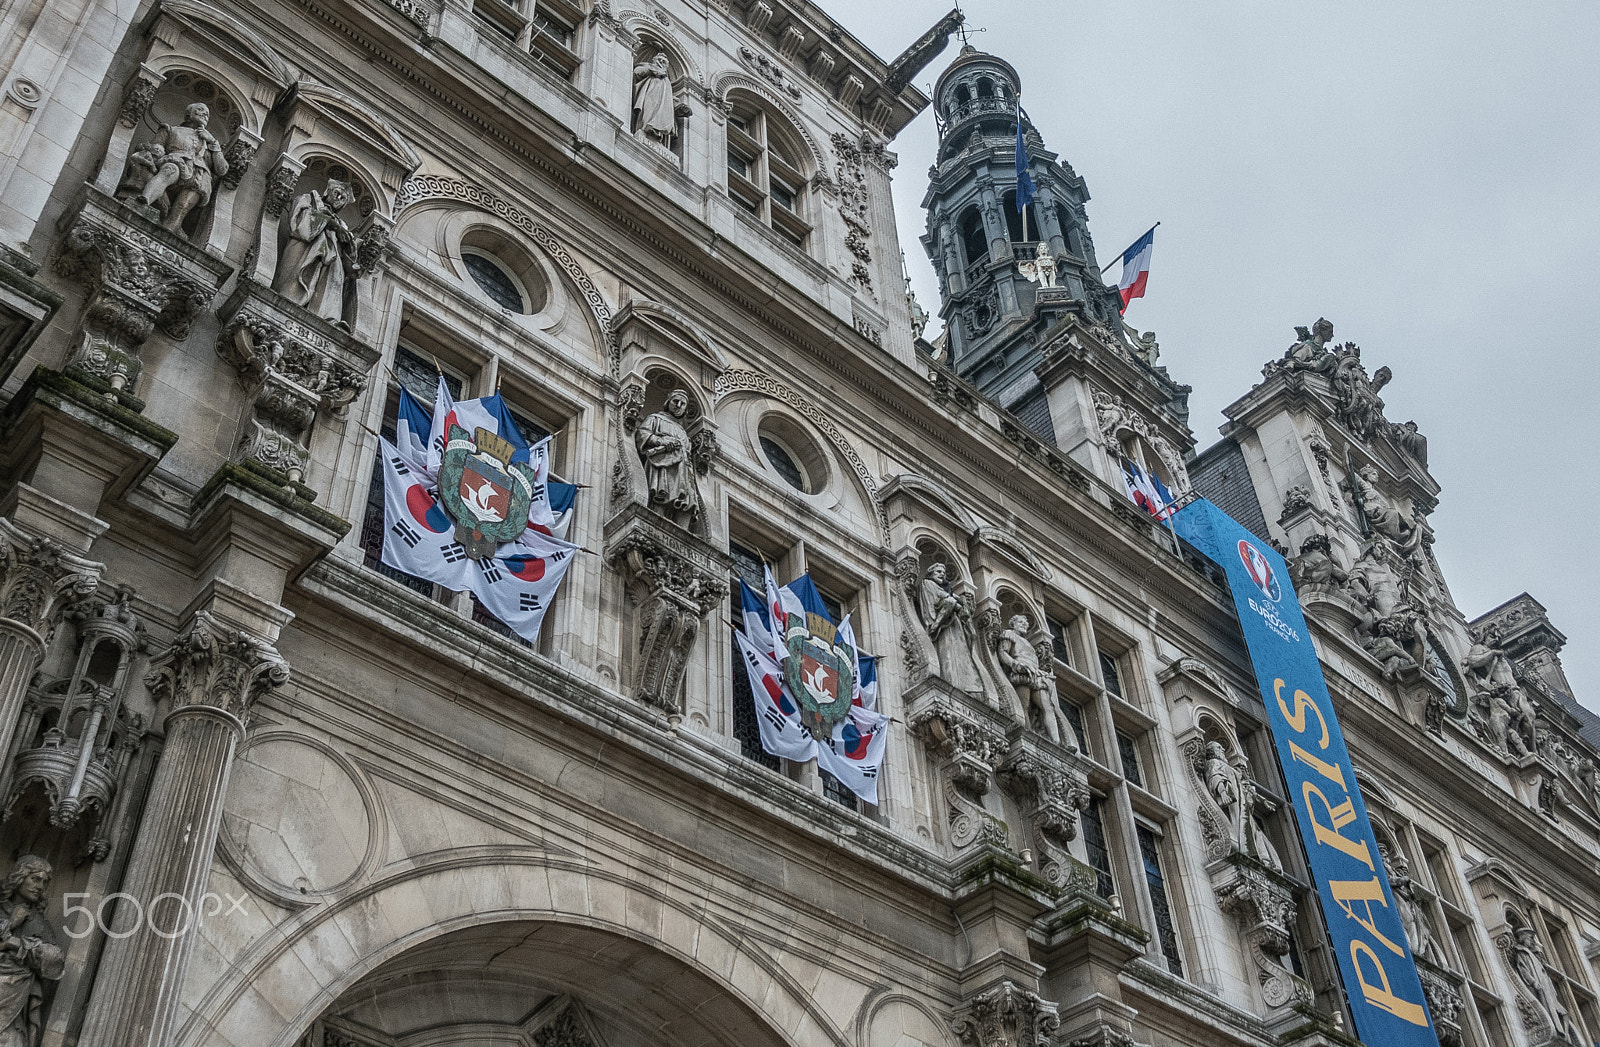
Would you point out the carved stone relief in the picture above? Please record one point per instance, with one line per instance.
(1052, 791)
(968, 751)
(35, 952)
(1118, 420)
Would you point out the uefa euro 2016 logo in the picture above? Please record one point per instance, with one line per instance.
(1260, 571)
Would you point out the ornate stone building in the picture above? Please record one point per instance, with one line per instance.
(262, 791)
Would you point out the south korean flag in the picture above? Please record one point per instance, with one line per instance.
(777, 715)
(854, 752)
(516, 585)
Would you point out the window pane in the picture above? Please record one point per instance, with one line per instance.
(417, 374)
(1074, 716)
(834, 790)
(782, 196)
(1058, 640)
(1113, 677)
(745, 728)
(1166, 933)
(1130, 759)
(738, 165)
(783, 464)
(747, 566)
(494, 282)
(1094, 848)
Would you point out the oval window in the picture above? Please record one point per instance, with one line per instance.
(785, 465)
(494, 280)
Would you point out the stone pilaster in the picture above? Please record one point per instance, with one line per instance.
(37, 578)
(211, 674)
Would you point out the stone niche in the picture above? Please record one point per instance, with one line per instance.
(662, 537)
(298, 327)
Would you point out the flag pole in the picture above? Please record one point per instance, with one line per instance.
(1123, 255)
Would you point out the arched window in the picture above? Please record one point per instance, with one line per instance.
(985, 88)
(1014, 221)
(973, 238)
(963, 96)
(765, 173)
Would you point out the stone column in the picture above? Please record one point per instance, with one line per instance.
(37, 577)
(211, 674)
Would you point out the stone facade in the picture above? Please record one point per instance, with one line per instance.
(264, 791)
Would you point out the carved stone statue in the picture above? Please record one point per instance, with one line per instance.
(948, 621)
(1510, 717)
(665, 449)
(188, 164)
(1035, 687)
(1527, 961)
(1375, 582)
(652, 100)
(30, 953)
(318, 253)
(1042, 269)
(1315, 565)
(1383, 516)
(1222, 783)
(1357, 395)
(1418, 931)
(1411, 441)
(1310, 352)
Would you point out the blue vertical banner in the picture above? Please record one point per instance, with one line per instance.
(1380, 977)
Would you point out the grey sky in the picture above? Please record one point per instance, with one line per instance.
(1421, 174)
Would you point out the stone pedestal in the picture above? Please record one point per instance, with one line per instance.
(211, 674)
(140, 277)
(967, 740)
(292, 364)
(26, 306)
(1051, 786)
(674, 579)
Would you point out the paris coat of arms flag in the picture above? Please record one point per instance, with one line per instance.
(817, 699)
(480, 519)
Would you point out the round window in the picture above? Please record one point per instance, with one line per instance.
(495, 281)
(784, 464)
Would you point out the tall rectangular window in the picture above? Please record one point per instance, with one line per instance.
(1074, 716)
(746, 567)
(1113, 676)
(1058, 640)
(419, 378)
(1166, 932)
(835, 790)
(1094, 848)
(1129, 751)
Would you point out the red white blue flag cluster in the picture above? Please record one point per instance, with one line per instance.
(1147, 491)
(816, 694)
(469, 505)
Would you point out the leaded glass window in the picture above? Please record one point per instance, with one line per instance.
(1166, 933)
(1113, 677)
(493, 280)
(1094, 848)
(1058, 640)
(1074, 716)
(835, 790)
(1129, 752)
(783, 464)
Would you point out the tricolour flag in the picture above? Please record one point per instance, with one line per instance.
(1136, 267)
(411, 428)
(1146, 491)
(754, 617)
(516, 585)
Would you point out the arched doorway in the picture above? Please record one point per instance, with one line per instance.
(537, 984)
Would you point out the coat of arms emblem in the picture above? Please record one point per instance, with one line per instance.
(820, 672)
(483, 490)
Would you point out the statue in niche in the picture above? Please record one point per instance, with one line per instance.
(187, 160)
(1035, 687)
(653, 101)
(319, 253)
(1527, 961)
(664, 448)
(1418, 932)
(1222, 783)
(948, 622)
(30, 953)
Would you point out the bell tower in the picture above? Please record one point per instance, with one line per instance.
(1000, 271)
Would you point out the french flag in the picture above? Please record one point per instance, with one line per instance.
(1136, 267)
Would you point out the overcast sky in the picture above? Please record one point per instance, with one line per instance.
(1423, 175)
